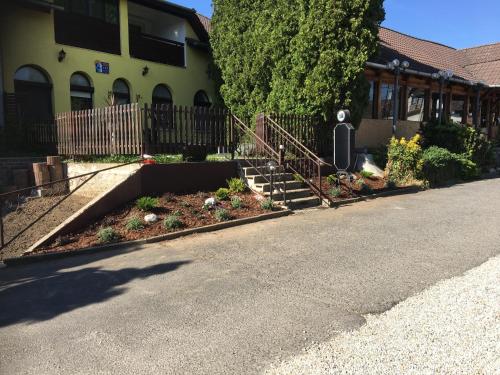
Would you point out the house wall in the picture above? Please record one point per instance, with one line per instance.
(27, 37)
(374, 133)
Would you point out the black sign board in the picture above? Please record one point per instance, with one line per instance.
(343, 146)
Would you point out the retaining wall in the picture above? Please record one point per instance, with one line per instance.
(13, 169)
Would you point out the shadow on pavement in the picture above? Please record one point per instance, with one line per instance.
(42, 292)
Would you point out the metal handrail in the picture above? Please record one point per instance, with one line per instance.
(270, 153)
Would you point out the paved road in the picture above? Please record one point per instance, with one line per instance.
(235, 301)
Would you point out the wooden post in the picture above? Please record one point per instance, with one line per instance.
(466, 108)
(42, 175)
(56, 173)
(428, 104)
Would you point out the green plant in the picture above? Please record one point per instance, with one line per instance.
(236, 202)
(366, 174)
(404, 163)
(336, 192)
(107, 235)
(297, 177)
(194, 153)
(236, 185)
(222, 215)
(439, 165)
(360, 182)
(172, 222)
(146, 203)
(222, 194)
(267, 204)
(134, 224)
(332, 179)
(294, 56)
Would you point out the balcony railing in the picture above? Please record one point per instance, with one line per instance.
(156, 49)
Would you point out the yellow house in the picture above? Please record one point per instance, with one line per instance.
(63, 55)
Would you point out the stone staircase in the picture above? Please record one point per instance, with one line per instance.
(298, 195)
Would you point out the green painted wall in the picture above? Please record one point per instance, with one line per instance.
(27, 38)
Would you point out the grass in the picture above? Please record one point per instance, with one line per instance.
(147, 203)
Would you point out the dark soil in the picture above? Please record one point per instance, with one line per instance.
(188, 208)
(21, 215)
(374, 185)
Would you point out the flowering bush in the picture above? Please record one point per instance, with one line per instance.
(404, 160)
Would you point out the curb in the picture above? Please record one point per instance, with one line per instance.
(9, 262)
(389, 193)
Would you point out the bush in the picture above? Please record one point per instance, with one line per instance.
(404, 163)
(236, 202)
(134, 224)
(146, 203)
(222, 215)
(236, 185)
(439, 165)
(267, 204)
(366, 174)
(194, 153)
(468, 169)
(107, 235)
(222, 194)
(335, 192)
(172, 222)
(459, 139)
(332, 179)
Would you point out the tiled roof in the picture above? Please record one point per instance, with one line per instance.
(205, 21)
(484, 62)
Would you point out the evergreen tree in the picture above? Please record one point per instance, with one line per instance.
(297, 56)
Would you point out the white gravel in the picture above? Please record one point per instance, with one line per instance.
(451, 328)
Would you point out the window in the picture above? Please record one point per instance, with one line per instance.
(416, 102)
(201, 99)
(161, 95)
(81, 92)
(457, 108)
(369, 110)
(386, 99)
(33, 95)
(104, 10)
(121, 92)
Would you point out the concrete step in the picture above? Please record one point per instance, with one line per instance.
(250, 171)
(290, 194)
(262, 179)
(303, 203)
(290, 185)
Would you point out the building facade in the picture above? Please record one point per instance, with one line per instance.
(62, 55)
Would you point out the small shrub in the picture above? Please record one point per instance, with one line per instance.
(360, 182)
(194, 153)
(404, 163)
(107, 235)
(236, 185)
(236, 202)
(222, 194)
(222, 215)
(172, 222)
(134, 224)
(366, 174)
(332, 179)
(267, 204)
(439, 165)
(335, 192)
(146, 203)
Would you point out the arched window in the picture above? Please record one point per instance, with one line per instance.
(33, 95)
(121, 92)
(161, 95)
(201, 99)
(81, 92)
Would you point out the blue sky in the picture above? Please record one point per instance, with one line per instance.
(457, 23)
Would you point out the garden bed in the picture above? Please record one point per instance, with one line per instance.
(361, 186)
(183, 211)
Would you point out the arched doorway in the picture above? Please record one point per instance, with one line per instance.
(201, 99)
(121, 91)
(81, 92)
(162, 95)
(33, 95)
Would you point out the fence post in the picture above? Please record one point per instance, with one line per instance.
(2, 238)
(145, 131)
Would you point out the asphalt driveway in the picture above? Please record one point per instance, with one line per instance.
(234, 301)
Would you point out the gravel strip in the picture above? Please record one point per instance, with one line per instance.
(451, 328)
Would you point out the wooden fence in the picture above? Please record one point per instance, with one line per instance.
(101, 131)
(39, 137)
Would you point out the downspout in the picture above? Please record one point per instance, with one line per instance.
(2, 90)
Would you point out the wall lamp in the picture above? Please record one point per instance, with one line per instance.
(398, 67)
(61, 55)
(145, 71)
(442, 76)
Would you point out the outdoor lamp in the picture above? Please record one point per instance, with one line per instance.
(145, 70)
(61, 55)
(344, 115)
(398, 67)
(271, 165)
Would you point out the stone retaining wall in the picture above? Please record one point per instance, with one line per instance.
(17, 172)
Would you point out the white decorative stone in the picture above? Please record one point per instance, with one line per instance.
(366, 163)
(151, 218)
(210, 202)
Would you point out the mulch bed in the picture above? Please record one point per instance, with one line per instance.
(188, 207)
(351, 190)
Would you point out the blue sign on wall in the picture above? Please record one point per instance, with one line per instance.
(102, 67)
